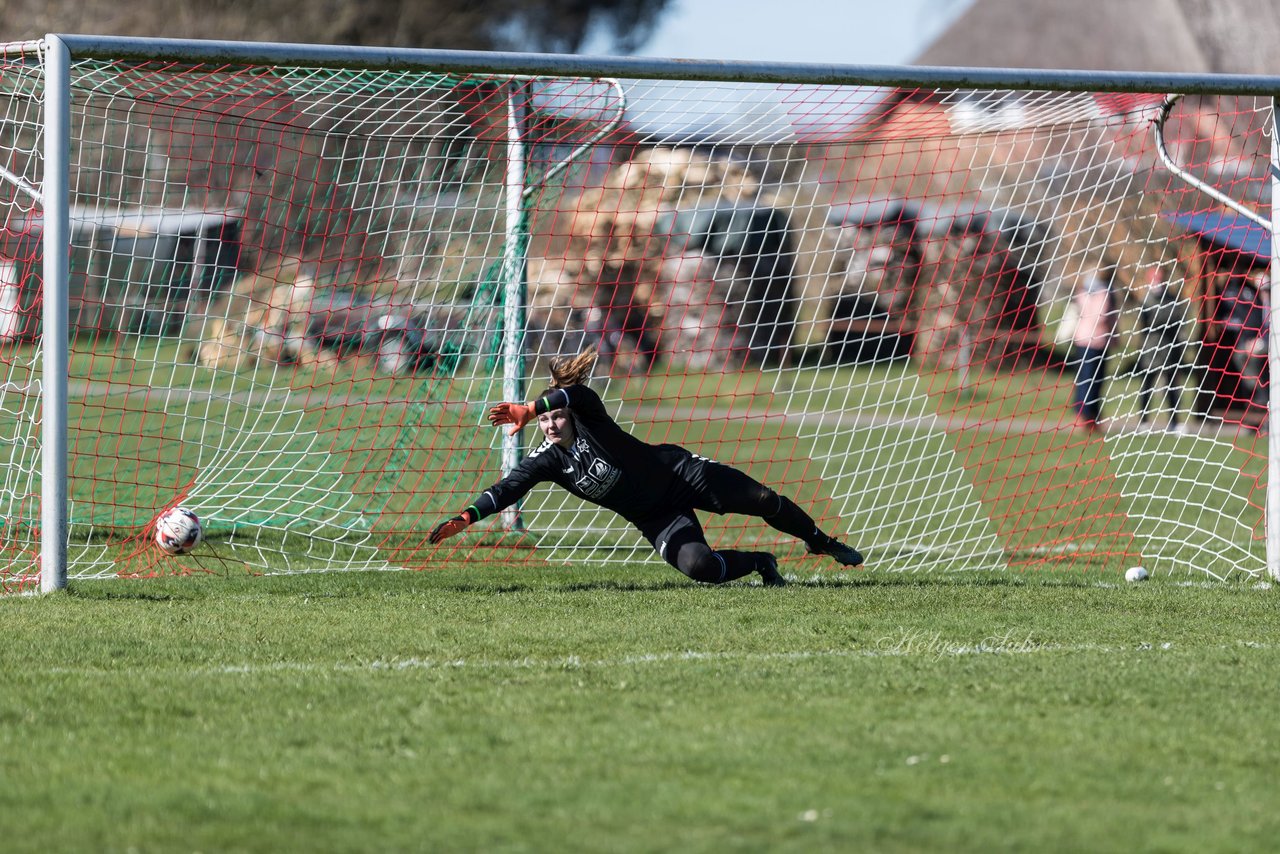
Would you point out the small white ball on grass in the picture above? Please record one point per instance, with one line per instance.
(1136, 573)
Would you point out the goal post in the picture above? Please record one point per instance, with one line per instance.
(971, 319)
(516, 296)
(1273, 437)
(54, 204)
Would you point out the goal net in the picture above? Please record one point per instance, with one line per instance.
(966, 329)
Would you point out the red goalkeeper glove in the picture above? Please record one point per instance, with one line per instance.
(450, 527)
(515, 414)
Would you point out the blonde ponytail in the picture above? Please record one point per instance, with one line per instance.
(573, 370)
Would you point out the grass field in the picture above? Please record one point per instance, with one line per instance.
(626, 709)
(927, 703)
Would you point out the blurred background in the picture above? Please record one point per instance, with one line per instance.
(1158, 35)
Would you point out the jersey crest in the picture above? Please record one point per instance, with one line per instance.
(594, 477)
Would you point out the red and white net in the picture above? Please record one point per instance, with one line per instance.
(290, 288)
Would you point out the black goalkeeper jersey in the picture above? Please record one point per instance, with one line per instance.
(606, 465)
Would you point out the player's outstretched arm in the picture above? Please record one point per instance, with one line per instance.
(451, 527)
(524, 477)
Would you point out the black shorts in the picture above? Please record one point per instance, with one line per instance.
(708, 486)
(718, 488)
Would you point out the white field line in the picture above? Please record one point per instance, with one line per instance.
(905, 644)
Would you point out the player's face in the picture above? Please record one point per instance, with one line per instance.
(557, 426)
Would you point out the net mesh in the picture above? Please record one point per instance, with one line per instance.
(289, 293)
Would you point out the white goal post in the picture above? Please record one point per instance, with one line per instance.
(280, 284)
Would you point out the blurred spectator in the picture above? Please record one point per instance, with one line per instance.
(618, 324)
(1245, 309)
(1095, 330)
(1161, 345)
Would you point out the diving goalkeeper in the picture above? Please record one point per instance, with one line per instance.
(657, 488)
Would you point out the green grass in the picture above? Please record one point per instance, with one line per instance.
(500, 709)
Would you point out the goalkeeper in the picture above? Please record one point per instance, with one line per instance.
(657, 488)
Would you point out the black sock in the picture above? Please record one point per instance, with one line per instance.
(737, 564)
(790, 519)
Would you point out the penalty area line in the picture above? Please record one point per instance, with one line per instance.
(905, 644)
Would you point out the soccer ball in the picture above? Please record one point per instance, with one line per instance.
(178, 531)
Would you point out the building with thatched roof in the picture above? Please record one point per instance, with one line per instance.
(1213, 36)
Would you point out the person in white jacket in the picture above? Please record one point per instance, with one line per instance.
(1095, 331)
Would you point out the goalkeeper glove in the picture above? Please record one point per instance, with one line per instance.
(450, 527)
(515, 414)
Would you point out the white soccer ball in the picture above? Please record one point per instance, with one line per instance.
(1136, 573)
(178, 531)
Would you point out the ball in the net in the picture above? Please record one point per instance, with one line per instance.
(178, 531)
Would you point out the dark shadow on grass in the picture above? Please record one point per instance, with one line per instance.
(551, 580)
(825, 581)
(624, 585)
(78, 592)
(547, 580)
(633, 585)
(867, 579)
